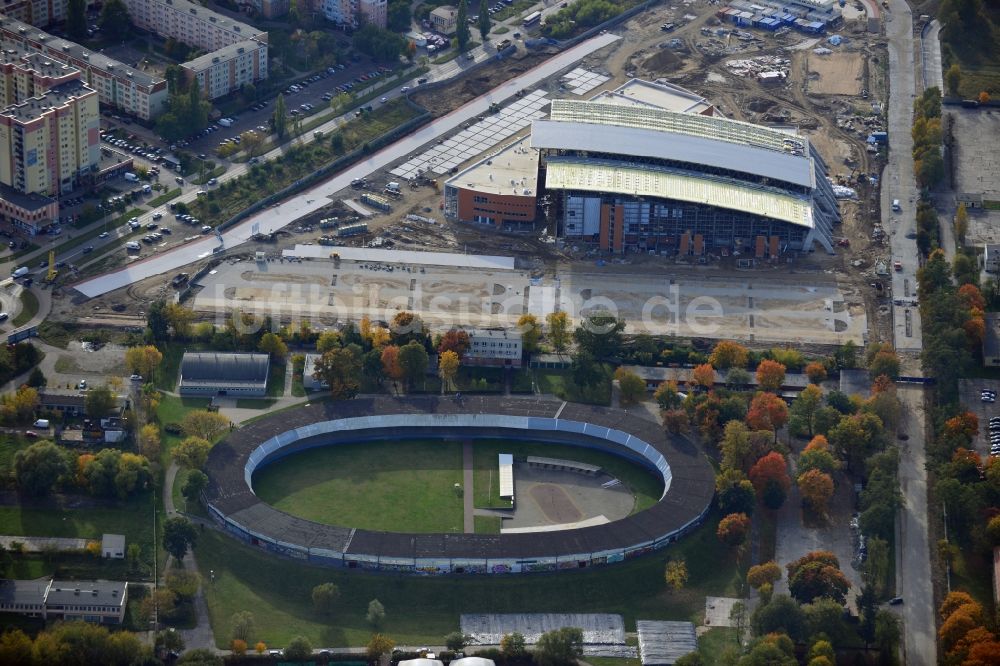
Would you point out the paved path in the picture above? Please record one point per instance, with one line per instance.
(913, 563)
(469, 506)
(898, 180)
(930, 55)
(319, 196)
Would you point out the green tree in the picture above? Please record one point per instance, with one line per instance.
(413, 362)
(99, 401)
(115, 22)
(195, 482)
(38, 468)
(183, 583)
(953, 79)
(399, 15)
(270, 343)
(375, 615)
(558, 323)
(462, 25)
(559, 647)
(156, 320)
(632, 387)
(340, 368)
(484, 19)
(204, 424)
(585, 370)
(178, 535)
(456, 641)
(192, 452)
(600, 335)
(298, 649)
(132, 554)
(200, 657)
(279, 119)
(324, 596)
(531, 331)
(513, 646)
(76, 19)
(378, 645)
(243, 626)
(781, 614)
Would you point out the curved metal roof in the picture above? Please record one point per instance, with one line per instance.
(213, 366)
(677, 147)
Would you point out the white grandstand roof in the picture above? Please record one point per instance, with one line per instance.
(638, 180)
(650, 143)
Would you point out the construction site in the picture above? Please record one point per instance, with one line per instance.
(830, 87)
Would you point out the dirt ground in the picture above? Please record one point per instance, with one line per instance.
(827, 109)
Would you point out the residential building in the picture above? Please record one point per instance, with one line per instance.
(493, 347)
(36, 12)
(352, 13)
(118, 85)
(25, 73)
(113, 546)
(229, 68)
(98, 601)
(73, 403)
(991, 340)
(991, 258)
(268, 9)
(444, 19)
(218, 373)
(23, 213)
(190, 23)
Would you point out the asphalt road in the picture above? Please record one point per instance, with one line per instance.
(316, 198)
(913, 564)
(897, 179)
(930, 55)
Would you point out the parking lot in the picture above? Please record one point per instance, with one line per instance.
(970, 394)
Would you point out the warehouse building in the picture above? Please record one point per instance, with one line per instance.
(218, 373)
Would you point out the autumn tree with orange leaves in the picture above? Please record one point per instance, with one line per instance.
(816, 372)
(728, 354)
(767, 412)
(770, 479)
(816, 488)
(703, 376)
(815, 575)
(733, 529)
(770, 375)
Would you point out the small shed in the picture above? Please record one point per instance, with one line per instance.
(661, 643)
(113, 546)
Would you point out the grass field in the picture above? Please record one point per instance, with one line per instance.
(9, 445)
(29, 308)
(406, 486)
(560, 383)
(277, 591)
(644, 486)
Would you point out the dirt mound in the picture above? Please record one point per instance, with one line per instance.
(663, 60)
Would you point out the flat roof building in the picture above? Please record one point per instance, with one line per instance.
(113, 546)
(444, 19)
(493, 347)
(353, 13)
(98, 601)
(218, 373)
(228, 69)
(500, 190)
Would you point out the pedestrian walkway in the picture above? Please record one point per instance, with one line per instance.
(469, 510)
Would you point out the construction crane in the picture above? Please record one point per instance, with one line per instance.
(51, 275)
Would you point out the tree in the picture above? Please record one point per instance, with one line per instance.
(876, 567)
(178, 535)
(379, 645)
(559, 647)
(584, 369)
(770, 375)
(805, 406)
(781, 614)
(817, 574)
(531, 332)
(448, 363)
(324, 596)
(20, 406)
(183, 583)
(454, 340)
(484, 19)
(115, 21)
(99, 401)
(740, 448)
(143, 360)
(984, 97)
(238, 647)
(767, 412)
(376, 613)
(413, 361)
(666, 395)
(462, 25)
(816, 372)
(703, 376)
(632, 387)
(728, 354)
(38, 468)
(770, 479)
(298, 649)
(690, 659)
(734, 492)
(204, 424)
(149, 441)
(953, 79)
(825, 616)
(456, 641)
(270, 343)
(883, 360)
(767, 573)
(340, 368)
(675, 574)
(601, 335)
(733, 529)
(817, 456)
(558, 323)
(192, 452)
(816, 488)
(279, 119)
(406, 327)
(857, 437)
(76, 20)
(513, 646)
(195, 482)
(242, 623)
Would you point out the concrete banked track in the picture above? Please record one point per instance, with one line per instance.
(688, 481)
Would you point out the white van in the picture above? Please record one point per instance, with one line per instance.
(895, 205)
(23, 270)
(42, 423)
(131, 177)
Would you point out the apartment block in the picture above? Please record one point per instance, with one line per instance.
(355, 12)
(229, 68)
(25, 74)
(118, 85)
(267, 8)
(190, 23)
(35, 12)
